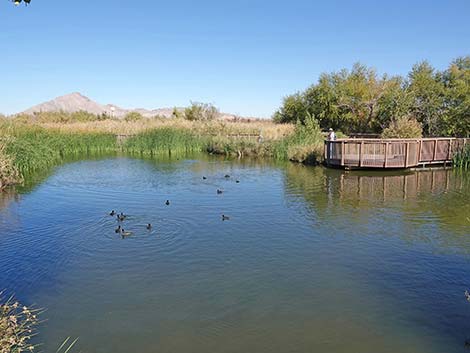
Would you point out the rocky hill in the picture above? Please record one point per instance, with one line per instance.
(75, 102)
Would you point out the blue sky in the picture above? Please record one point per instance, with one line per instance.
(243, 56)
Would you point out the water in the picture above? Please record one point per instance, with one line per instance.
(311, 260)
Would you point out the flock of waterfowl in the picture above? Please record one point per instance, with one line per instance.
(121, 217)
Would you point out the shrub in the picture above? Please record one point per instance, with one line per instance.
(404, 127)
(133, 116)
(201, 111)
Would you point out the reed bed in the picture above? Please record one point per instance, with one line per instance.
(267, 129)
(164, 141)
(45, 140)
(461, 159)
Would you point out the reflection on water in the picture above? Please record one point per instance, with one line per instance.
(312, 260)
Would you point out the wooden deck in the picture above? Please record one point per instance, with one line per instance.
(391, 153)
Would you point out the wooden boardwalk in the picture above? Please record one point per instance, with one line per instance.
(391, 153)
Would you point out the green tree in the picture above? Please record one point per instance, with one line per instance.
(201, 111)
(456, 79)
(427, 91)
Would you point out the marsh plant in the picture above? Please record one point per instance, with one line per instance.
(462, 158)
(18, 325)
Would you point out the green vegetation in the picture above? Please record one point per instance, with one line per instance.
(164, 140)
(201, 112)
(359, 100)
(305, 145)
(403, 127)
(462, 158)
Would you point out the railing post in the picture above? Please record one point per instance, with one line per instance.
(449, 150)
(407, 148)
(361, 146)
(435, 151)
(420, 146)
(343, 148)
(386, 155)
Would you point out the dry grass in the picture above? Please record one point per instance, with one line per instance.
(18, 325)
(267, 129)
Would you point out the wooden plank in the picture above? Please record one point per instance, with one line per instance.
(435, 151)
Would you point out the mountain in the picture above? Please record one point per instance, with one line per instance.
(75, 102)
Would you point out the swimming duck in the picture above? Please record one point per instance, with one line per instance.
(167, 202)
(237, 181)
(219, 191)
(227, 176)
(112, 213)
(225, 218)
(121, 217)
(467, 295)
(118, 229)
(125, 234)
(149, 226)
(204, 178)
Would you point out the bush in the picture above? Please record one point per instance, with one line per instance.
(133, 116)
(201, 112)
(404, 127)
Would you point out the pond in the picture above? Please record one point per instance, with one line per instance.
(311, 260)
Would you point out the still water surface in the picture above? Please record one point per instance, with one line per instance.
(311, 260)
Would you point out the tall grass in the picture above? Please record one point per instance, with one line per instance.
(35, 148)
(305, 145)
(164, 141)
(461, 159)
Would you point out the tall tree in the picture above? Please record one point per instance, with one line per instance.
(427, 91)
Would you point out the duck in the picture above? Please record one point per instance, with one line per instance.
(167, 202)
(467, 295)
(149, 226)
(227, 176)
(204, 178)
(118, 229)
(237, 181)
(125, 234)
(112, 213)
(219, 191)
(225, 218)
(121, 217)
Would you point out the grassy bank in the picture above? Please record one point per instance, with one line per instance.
(32, 143)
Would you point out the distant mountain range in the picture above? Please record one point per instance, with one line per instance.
(75, 102)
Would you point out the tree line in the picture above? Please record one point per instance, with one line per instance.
(361, 101)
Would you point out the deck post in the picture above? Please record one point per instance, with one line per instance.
(361, 147)
(386, 155)
(343, 148)
(449, 150)
(407, 148)
(326, 147)
(420, 146)
(435, 151)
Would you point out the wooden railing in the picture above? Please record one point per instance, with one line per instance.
(391, 153)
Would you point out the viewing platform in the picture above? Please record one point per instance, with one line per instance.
(358, 153)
